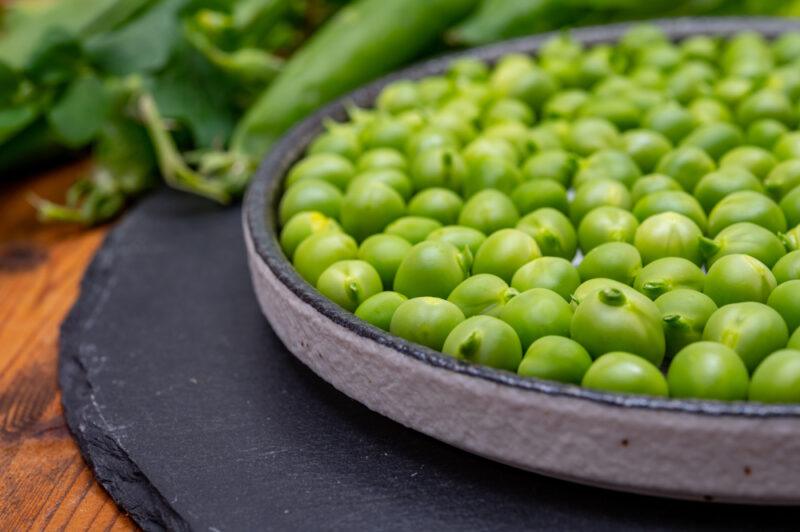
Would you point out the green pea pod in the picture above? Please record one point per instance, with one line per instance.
(363, 41)
(501, 19)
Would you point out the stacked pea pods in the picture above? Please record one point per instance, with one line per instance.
(622, 217)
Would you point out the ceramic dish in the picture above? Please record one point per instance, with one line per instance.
(714, 451)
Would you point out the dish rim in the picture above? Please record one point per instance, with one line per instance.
(261, 200)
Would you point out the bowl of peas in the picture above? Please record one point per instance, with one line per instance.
(576, 253)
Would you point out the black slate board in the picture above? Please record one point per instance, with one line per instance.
(194, 416)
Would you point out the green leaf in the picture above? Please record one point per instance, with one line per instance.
(15, 119)
(56, 58)
(79, 115)
(9, 84)
(194, 93)
(143, 45)
(123, 149)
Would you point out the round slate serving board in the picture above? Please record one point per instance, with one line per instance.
(194, 416)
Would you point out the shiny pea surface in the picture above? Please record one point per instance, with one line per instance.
(624, 217)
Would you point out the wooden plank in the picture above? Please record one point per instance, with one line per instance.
(46, 484)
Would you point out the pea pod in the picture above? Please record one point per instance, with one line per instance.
(345, 53)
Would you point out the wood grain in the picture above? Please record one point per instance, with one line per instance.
(45, 484)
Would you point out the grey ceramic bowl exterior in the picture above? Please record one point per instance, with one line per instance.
(735, 452)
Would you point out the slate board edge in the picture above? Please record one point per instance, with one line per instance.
(119, 475)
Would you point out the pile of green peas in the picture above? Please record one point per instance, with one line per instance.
(621, 217)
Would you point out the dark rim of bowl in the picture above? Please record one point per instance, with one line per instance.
(264, 193)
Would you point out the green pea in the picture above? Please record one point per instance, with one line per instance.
(489, 210)
(303, 225)
(746, 206)
(429, 138)
(785, 298)
(379, 309)
(735, 278)
(426, 321)
(398, 96)
(606, 224)
(700, 47)
(645, 147)
(521, 78)
(684, 313)
(692, 79)
(622, 113)
(459, 236)
(716, 138)
(732, 90)
(641, 36)
(390, 177)
(310, 195)
(783, 178)
(556, 165)
(794, 340)
(468, 68)
(431, 268)
(777, 378)
(587, 288)
(747, 55)
(553, 232)
(438, 167)
(791, 238)
(745, 238)
(671, 201)
(485, 340)
(597, 64)
(708, 370)
(504, 252)
(787, 268)
(763, 104)
(565, 104)
(337, 140)
(686, 165)
(441, 204)
(614, 260)
(546, 137)
(622, 372)
(536, 313)
(414, 229)
(786, 48)
(515, 134)
(507, 109)
(787, 146)
(752, 329)
(651, 183)
(709, 111)
(348, 283)
(320, 250)
(669, 273)
(329, 167)
(459, 126)
(725, 181)
(597, 193)
(482, 293)
(790, 205)
(554, 273)
(367, 209)
(671, 120)
(491, 173)
(434, 89)
(555, 358)
(765, 133)
(607, 164)
(385, 253)
(757, 161)
(588, 135)
(488, 147)
(382, 158)
(535, 194)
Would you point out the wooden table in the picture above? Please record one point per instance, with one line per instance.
(45, 482)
